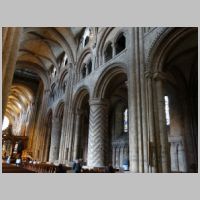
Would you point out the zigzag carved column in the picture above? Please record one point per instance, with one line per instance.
(97, 132)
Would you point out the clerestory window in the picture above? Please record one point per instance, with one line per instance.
(126, 121)
(120, 44)
(108, 52)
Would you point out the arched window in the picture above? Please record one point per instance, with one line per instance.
(89, 67)
(120, 44)
(66, 60)
(108, 52)
(64, 86)
(52, 93)
(86, 41)
(167, 115)
(86, 37)
(126, 121)
(53, 71)
(84, 71)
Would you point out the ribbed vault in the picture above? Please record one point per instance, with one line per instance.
(20, 98)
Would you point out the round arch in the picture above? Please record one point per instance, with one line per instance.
(100, 45)
(172, 62)
(79, 96)
(86, 53)
(65, 44)
(106, 76)
(58, 113)
(162, 46)
(37, 69)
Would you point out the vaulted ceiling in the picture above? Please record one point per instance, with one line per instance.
(43, 45)
(40, 48)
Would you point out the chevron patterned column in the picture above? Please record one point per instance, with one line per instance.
(97, 141)
(55, 139)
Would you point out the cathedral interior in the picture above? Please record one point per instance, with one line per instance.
(120, 96)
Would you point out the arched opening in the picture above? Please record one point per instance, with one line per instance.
(82, 110)
(83, 71)
(117, 94)
(108, 52)
(89, 66)
(86, 36)
(63, 82)
(86, 41)
(53, 71)
(120, 44)
(56, 132)
(65, 60)
(22, 111)
(47, 143)
(113, 88)
(178, 90)
(52, 93)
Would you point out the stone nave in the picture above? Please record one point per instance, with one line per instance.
(119, 95)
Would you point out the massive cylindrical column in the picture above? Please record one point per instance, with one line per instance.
(174, 157)
(152, 157)
(77, 134)
(182, 157)
(55, 139)
(177, 153)
(164, 148)
(126, 154)
(113, 156)
(132, 106)
(117, 163)
(46, 149)
(97, 132)
(121, 156)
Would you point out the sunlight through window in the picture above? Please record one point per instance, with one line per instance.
(126, 120)
(167, 110)
(5, 123)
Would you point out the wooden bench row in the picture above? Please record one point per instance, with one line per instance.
(43, 167)
(50, 168)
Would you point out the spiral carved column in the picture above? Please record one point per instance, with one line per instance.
(97, 132)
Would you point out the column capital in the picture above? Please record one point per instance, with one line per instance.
(46, 91)
(159, 76)
(176, 139)
(79, 111)
(56, 120)
(148, 74)
(97, 101)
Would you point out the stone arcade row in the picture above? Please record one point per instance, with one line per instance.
(150, 148)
